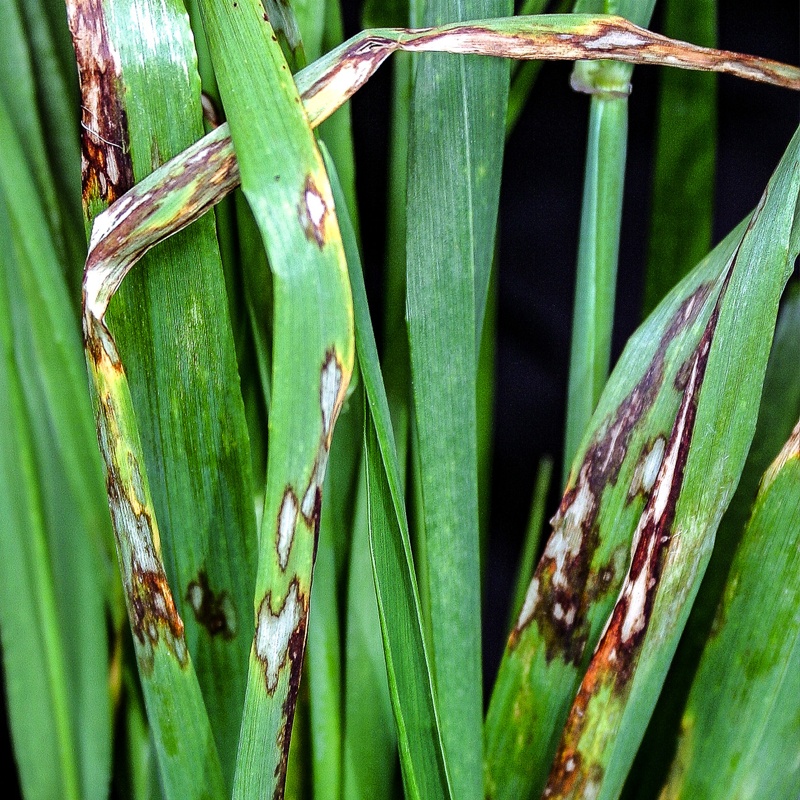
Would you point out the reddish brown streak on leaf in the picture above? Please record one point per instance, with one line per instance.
(106, 168)
(297, 646)
(615, 657)
(560, 611)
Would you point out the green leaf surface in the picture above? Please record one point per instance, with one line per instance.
(370, 747)
(422, 758)
(33, 656)
(287, 188)
(458, 110)
(683, 181)
(741, 726)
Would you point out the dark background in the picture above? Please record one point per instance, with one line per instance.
(538, 234)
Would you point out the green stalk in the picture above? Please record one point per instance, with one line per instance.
(598, 250)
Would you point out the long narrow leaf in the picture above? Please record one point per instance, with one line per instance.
(77, 555)
(172, 324)
(721, 384)
(741, 727)
(33, 656)
(421, 755)
(287, 188)
(780, 406)
(458, 110)
(683, 180)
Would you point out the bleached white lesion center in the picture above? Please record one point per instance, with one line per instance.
(287, 522)
(315, 206)
(330, 386)
(273, 633)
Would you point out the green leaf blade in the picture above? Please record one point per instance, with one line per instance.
(740, 727)
(287, 188)
(458, 110)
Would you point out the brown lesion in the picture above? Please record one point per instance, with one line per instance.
(561, 607)
(313, 211)
(106, 166)
(297, 645)
(153, 616)
(617, 653)
(153, 613)
(213, 610)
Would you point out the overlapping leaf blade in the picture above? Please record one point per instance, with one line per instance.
(702, 462)
(57, 579)
(171, 320)
(458, 110)
(740, 729)
(780, 405)
(287, 188)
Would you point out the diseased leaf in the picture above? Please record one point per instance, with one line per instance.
(581, 570)
(780, 406)
(286, 186)
(171, 320)
(741, 726)
(703, 457)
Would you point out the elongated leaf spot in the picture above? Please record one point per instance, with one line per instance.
(99, 345)
(107, 169)
(348, 74)
(563, 587)
(214, 611)
(789, 451)
(565, 543)
(274, 632)
(529, 605)
(331, 397)
(287, 522)
(154, 617)
(329, 392)
(313, 212)
(616, 654)
(312, 499)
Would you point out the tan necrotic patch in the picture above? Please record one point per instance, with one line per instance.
(563, 588)
(313, 212)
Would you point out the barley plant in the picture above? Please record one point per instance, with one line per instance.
(187, 343)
